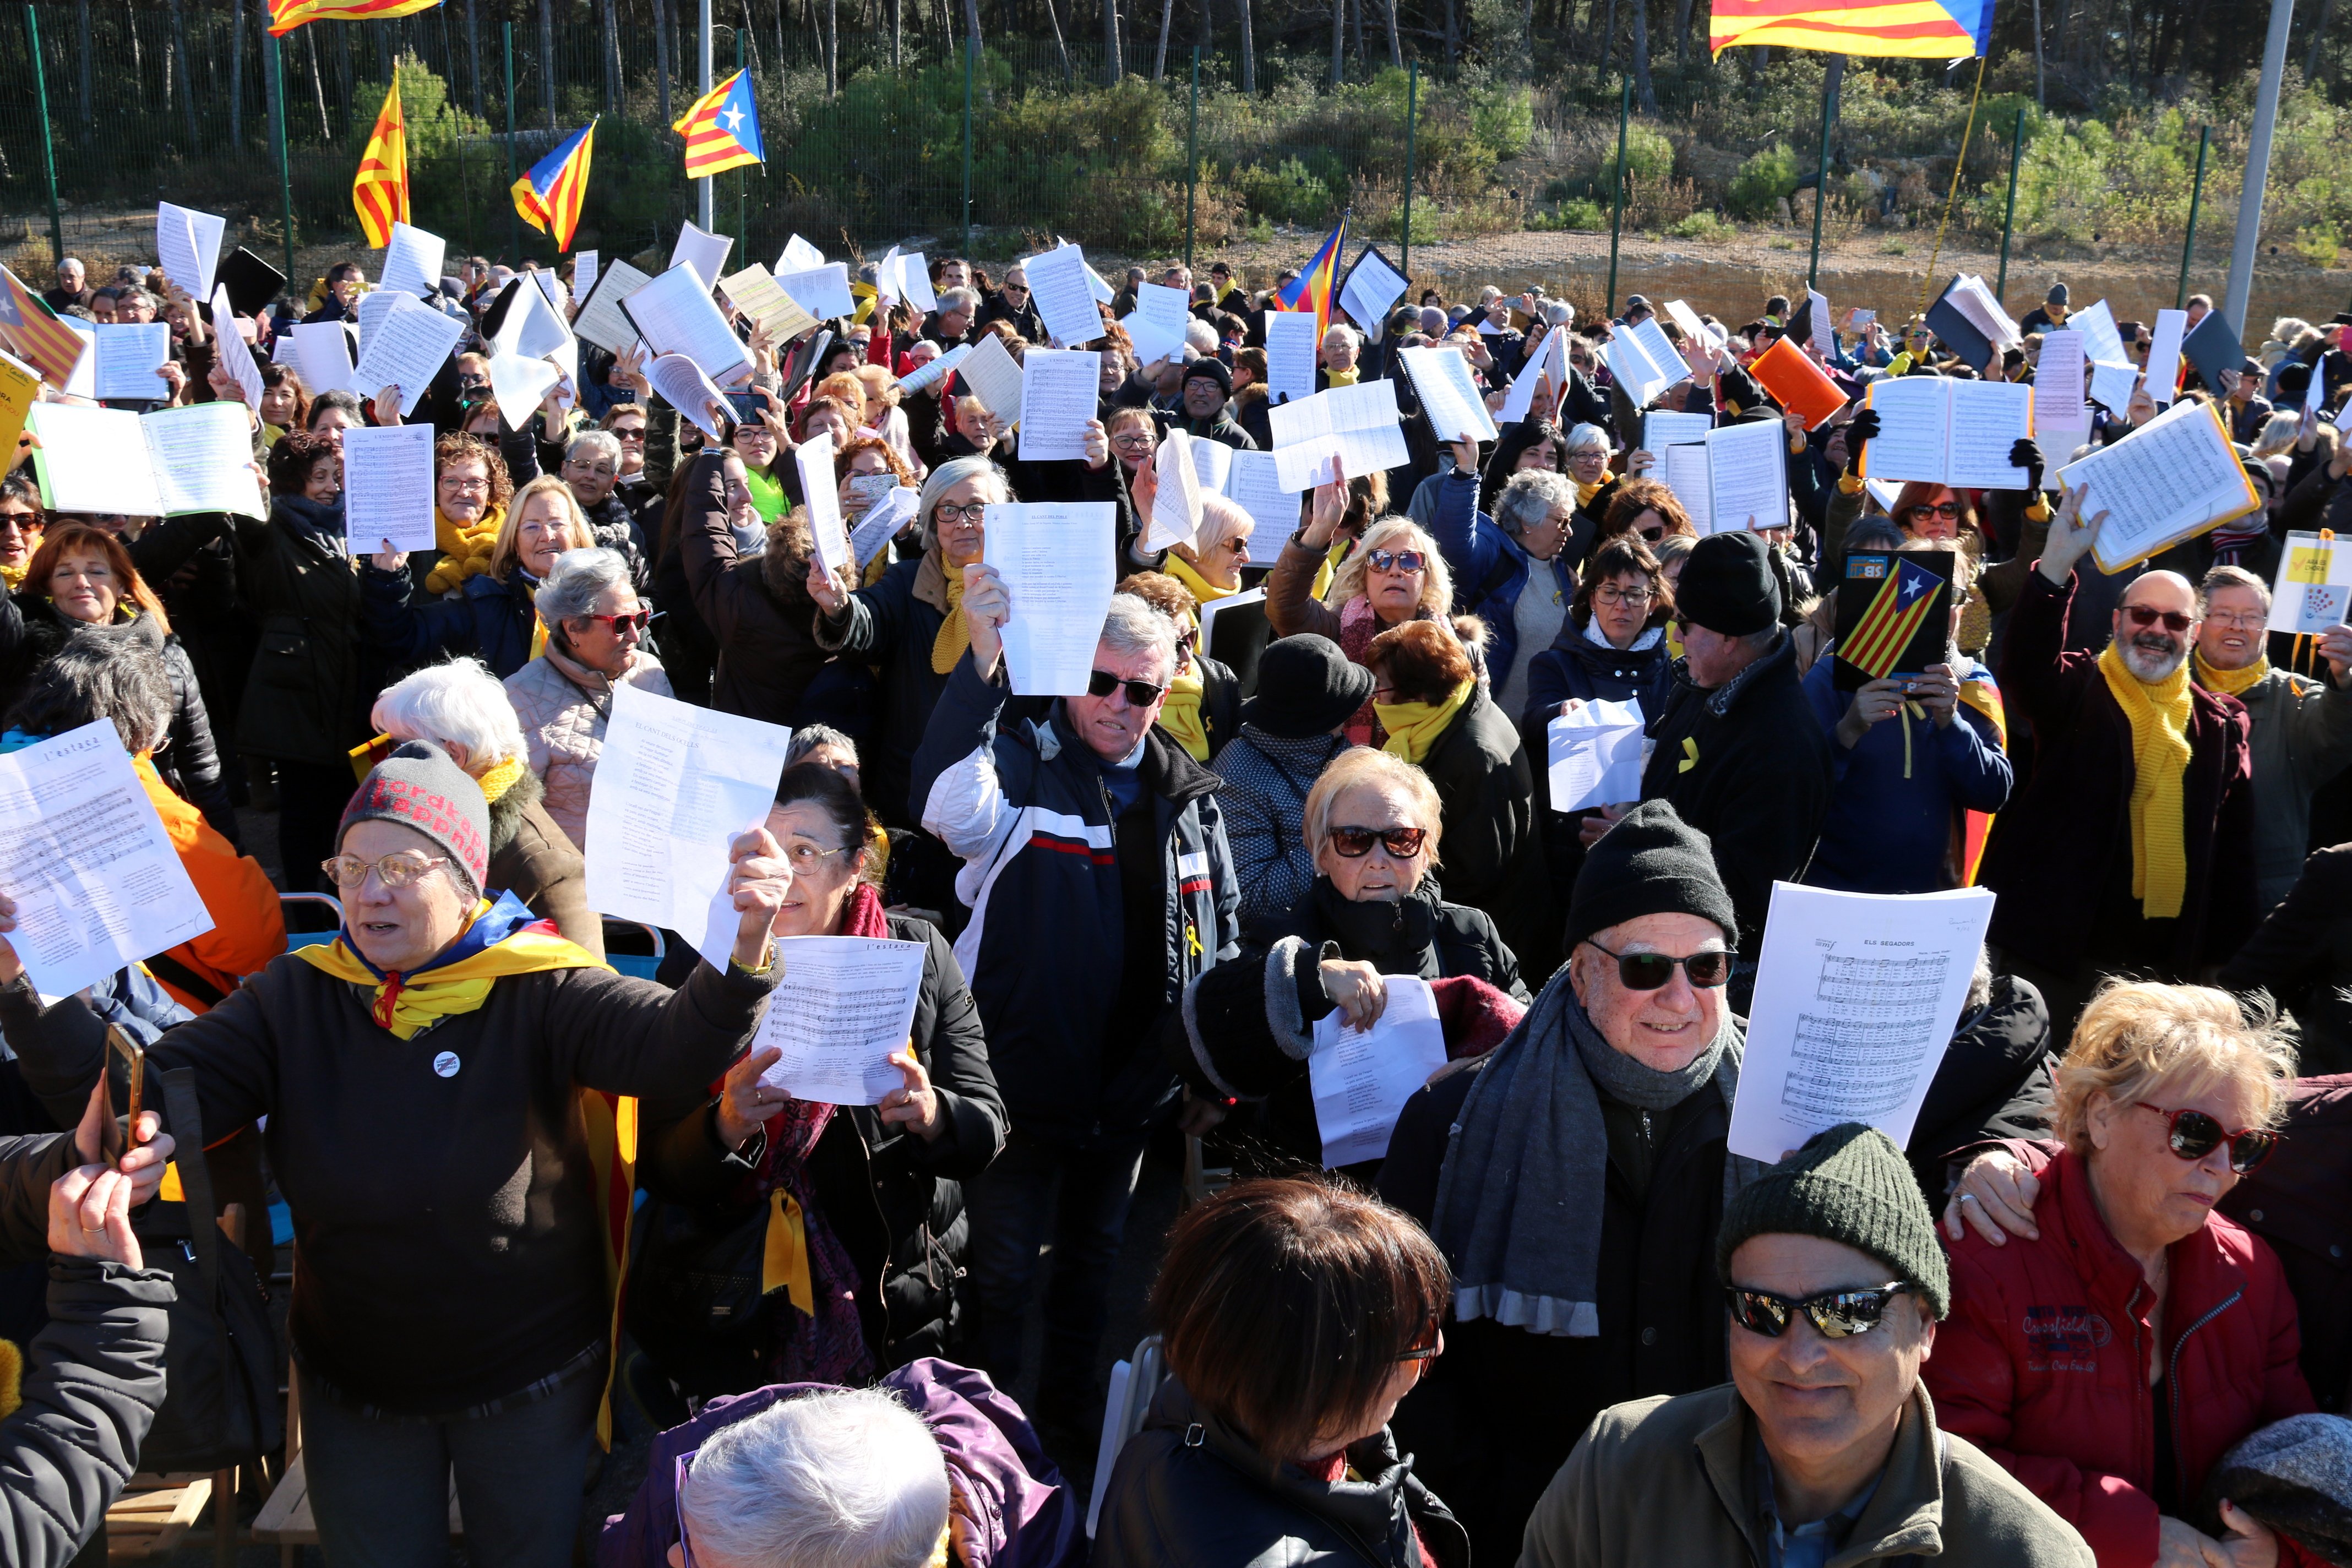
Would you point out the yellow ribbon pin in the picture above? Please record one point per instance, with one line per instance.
(1690, 756)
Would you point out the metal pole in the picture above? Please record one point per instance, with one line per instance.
(2196, 200)
(1411, 122)
(1192, 156)
(2009, 218)
(48, 149)
(2258, 165)
(742, 175)
(1617, 195)
(704, 201)
(1822, 169)
(514, 214)
(285, 165)
(967, 145)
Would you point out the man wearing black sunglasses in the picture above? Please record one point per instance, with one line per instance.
(1821, 1447)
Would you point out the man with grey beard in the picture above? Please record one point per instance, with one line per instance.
(2130, 848)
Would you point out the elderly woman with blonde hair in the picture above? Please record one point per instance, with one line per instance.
(493, 616)
(2111, 1336)
(1210, 566)
(461, 707)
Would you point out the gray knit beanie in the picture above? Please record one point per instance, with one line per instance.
(420, 788)
(1849, 1184)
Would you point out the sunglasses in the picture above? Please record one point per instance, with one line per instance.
(2193, 1135)
(620, 623)
(1943, 509)
(1834, 1314)
(1651, 971)
(1428, 1347)
(1355, 843)
(1396, 561)
(2144, 618)
(1139, 693)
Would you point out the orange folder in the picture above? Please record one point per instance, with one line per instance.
(1790, 375)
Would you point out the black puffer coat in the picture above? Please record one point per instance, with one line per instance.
(1995, 1081)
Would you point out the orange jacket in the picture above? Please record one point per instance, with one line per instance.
(248, 928)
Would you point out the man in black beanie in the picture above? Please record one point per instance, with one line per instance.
(1738, 752)
(1206, 389)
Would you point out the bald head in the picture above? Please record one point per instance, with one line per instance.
(2162, 591)
(2153, 625)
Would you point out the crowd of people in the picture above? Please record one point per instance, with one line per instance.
(1557, 1322)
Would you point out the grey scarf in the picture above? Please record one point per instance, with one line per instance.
(1518, 1210)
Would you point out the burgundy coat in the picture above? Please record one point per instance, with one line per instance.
(2052, 844)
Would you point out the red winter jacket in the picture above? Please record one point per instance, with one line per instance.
(2043, 1362)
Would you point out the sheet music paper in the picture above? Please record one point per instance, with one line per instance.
(583, 274)
(799, 256)
(1357, 428)
(372, 308)
(1989, 419)
(1660, 351)
(821, 494)
(2163, 355)
(188, 247)
(990, 374)
(1057, 287)
(95, 882)
(1946, 431)
(2170, 480)
(2058, 382)
(202, 455)
(915, 282)
(412, 261)
(2102, 343)
(679, 382)
(1291, 345)
(1060, 389)
(1684, 468)
(1683, 316)
(1973, 299)
(676, 315)
(93, 460)
(1373, 288)
(676, 785)
(2111, 385)
(550, 286)
(531, 327)
(887, 284)
(1595, 755)
(755, 293)
(1856, 997)
(1176, 494)
(1157, 322)
(388, 488)
(935, 370)
(823, 290)
(1451, 401)
(1254, 483)
(1663, 428)
(1211, 462)
(600, 319)
(1643, 377)
(408, 350)
(883, 522)
(1519, 402)
(1055, 560)
(1361, 1079)
(841, 1006)
(1824, 335)
(703, 251)
(1748, 476)
(129, 357)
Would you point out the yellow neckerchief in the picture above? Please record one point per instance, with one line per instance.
(1202, 591)
(1181, 714)
(784, 1258)
(1330, 567)
(14, 576)
(1414, 727)
(877, 844)
(767, 494)
(2233, 681)
(272, 435)
(409, 1008)
(500, 778)
(1347, 377)
(1584, 492)
(465, 550)
(954, 634)
(2159, 726)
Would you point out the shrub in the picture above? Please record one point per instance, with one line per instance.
(1579, 213)
(1649, 157)
(1288, 193)
(1755, 190)
(1704, 226)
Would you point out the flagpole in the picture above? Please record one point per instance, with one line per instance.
(514, 216)
(49, 153)
(285, 168)
(703, 199)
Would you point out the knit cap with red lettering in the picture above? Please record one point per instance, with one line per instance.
(420, 788)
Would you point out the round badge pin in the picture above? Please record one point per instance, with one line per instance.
(445, 1064)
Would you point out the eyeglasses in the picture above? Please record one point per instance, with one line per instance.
(807, 857)
(2144, 618)
(1396, 561)
(2249, 620)
(1139, 693)
(624, 433)
(1011, 287)
(1355, 843)
(1946, 510)
(451, 481)
(401, 868)
(635, 623)
(1834, 1314)
(1133, 441)
(974, 512)
(2193, 1135)
(1238, 546)
(1611, 595)
(1651, 971)
(1428, 1347)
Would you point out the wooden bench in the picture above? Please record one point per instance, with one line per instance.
(153, 1515)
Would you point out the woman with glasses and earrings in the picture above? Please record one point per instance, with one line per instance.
(1374, 912)
(2171, 1333)
(1210, 566)
(1294, 1315)
(871, 1195)
(492, 615)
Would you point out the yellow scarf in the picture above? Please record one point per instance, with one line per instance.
(2159, 726)
(2233, 681)
(1342, 377)
(1330, 567)
(409, 1008)
(1584, 493)
(14, 576)
(1414, 727)
(465, 550)
(954, 634)
(500, 778)
(1204, 592)
(1181, 714)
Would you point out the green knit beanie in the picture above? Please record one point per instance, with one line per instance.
(1849, 1184)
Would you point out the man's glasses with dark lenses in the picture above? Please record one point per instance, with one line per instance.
(1355, 843)
(2192, 1135)
(1139, 693)
(1834, 1314)
(1652, 970)
(2144, 618)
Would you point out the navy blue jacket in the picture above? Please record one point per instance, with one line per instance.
(1489, 569)
(1578, 667)
(490, 619)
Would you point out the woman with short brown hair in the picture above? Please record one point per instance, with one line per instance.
(1294, 1315)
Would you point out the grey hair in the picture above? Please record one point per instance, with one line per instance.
(1559, 313)
(1132, 625)
(2230, 577)
(1202, 336)
(1342, 330)
(596, 443)
(457, 706)
(1585, 434)
(1530, 497)
(949, 475)
(844, 1478)
(811, 737)
(101, 672)
(958, 298)
(577, 580)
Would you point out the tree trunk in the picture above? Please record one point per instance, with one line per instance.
(611, 28)
(1757, 61)
(1339, 37)
(547, 59)
(1452, 32)
(1396, 44)
(319, 86)
(971, 30)
(1249, 50)
(186, 86)
(2318, 37)
(82, 63)
(662, 40)
(1054, 15)
(899, 35)
(1111, 68)
(832, 49)
(236, 74)
(1683, 33)
(1643, 93)
(1160, 60)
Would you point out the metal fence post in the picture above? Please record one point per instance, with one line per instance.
(2009, 218)
(285, 165)
(742, 175)
(2187, 246)
(1191, 157)
(1617, 193)
(1411, 124)
(969, 49)
(514, 214)
(1822, 169)
(48, 149)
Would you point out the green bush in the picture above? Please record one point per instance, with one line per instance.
(1288, 193)
(1579, 213)
(1701, 225)
(1649, 157)
(1755, 192)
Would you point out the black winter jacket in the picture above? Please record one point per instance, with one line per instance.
(1575, 666)
(1995, 1081)
(1493, 848)
(2301, 955)
(764, 621)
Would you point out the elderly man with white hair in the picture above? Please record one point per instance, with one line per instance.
(460, 706)
(2130, 849)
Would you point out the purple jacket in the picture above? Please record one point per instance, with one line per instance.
(1019, 1511)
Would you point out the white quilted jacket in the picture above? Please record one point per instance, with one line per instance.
(563, 706)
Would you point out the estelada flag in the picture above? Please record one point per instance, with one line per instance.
(284, 16)
(379, 190)
(722, 129)
(549, 197)
(1887, 608)
(1315, 288)
(1911, 29)
(35, 331)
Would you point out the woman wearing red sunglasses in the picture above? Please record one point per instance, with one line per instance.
(2111, 1336)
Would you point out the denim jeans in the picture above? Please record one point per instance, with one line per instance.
(1078, 1200)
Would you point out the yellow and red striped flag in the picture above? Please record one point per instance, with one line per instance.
(549, 197)
(380, 190)
(1913, 29)
(1896, 611)
(722, 129)
(284, 16)
(47, 343)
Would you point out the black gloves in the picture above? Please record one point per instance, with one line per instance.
(2025, 454)
(1859, 432)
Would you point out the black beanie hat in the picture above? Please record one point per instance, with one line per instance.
(1728, 586)
(1305, 686)
(1209, 367)
(1850, 1184)
(1651, 863)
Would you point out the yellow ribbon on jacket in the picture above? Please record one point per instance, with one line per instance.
(1181, 714)
(1414, 726)
(2159, 727)
(408, 1008)
(1330, 567)
(1204, 592)
(1690, 755)
(2234, 681)
(955, 635)
(785, 1260)
(465, 548)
